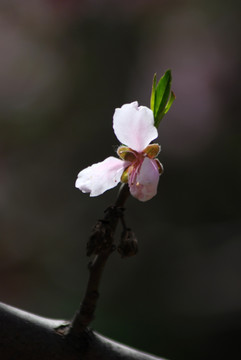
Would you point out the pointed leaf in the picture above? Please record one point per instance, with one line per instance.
(162, 94)
(167, 108)
(153, 94)
(170, 101)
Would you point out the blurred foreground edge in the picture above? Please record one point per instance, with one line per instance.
(27, 336)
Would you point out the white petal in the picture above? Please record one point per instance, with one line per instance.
(143, 185)
(98, 178)
(134, 126)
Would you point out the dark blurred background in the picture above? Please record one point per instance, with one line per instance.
(65, 66)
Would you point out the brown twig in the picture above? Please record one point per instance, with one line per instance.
(86, 312)
(27, 336)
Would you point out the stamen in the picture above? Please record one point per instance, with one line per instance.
(152, 150)
(126, 153)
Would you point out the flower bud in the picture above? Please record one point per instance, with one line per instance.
(128, 243)
(100, 239)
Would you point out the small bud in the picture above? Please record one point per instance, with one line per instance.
(100, 239)
(128, 244)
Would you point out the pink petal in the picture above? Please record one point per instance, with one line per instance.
(143, 182)
(134, 126)
(98, 178)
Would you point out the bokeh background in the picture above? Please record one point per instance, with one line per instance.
(65, 66)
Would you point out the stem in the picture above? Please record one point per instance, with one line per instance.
(85, 315)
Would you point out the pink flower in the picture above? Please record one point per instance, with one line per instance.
(133, 126)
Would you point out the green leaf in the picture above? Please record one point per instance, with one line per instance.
(170, 101)
(161, 97)
(167, 108)
(162, 93)
(153, 92)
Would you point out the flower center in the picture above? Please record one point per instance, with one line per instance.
(136, 159)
